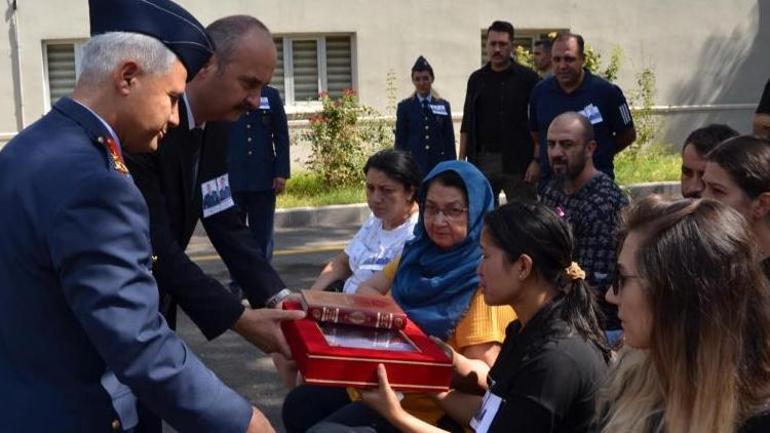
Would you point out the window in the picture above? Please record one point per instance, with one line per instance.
(522, 38)
(62, 68)
(308, 65)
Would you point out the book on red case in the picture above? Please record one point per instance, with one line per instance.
(333, 354)
(374, 311)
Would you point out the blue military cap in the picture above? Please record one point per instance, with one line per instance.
(422, 65)
(161, 19)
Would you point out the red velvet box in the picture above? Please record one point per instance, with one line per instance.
(343, 355)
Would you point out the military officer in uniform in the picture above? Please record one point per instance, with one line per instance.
(258, 164)
(424, 121)
(81, 338)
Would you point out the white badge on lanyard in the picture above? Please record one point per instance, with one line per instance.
(483, 418)
(264, 103)
(216, 196)
(592, 113)
(438, 110)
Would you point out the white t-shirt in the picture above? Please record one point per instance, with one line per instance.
(374, 247)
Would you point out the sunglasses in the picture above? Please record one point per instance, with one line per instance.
(620, 281)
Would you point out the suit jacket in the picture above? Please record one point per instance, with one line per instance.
(80, 333)
(258, 149)
(170, 180)
(428, 135)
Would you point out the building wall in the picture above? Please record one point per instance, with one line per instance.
(710, 61)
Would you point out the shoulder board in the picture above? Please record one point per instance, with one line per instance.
(114, 153)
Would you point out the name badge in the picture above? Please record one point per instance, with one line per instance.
(438, 110)
(483, 418)
(216, 196)
(264, 103)
(592, 113)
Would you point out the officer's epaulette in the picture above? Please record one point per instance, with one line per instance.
(112, 149)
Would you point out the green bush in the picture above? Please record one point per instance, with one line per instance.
(342, 136)
(309, 189)
(651, 163)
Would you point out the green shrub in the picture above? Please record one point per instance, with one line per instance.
(341, 140)
(651, 163)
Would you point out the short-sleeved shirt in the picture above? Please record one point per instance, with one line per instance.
(597, 99)
(764, 103)
(373, 247)
(480, 324)
(544, 380)
(593, 212)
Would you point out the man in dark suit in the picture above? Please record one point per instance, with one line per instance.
(80, 334)
(258, 164)
(424, 121)
(193, 158)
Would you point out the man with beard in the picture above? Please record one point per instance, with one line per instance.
(588, 199)
(696, 146)
(574, 88)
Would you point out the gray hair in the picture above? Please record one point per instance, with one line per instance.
(226, 33)
(104, 52)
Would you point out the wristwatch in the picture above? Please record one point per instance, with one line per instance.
(277, 298)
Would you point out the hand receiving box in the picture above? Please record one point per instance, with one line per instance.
(342, 355)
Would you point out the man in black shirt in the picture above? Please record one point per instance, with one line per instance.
(494, 135)
(762, 117)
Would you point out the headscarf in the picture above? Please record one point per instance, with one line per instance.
(434, 286)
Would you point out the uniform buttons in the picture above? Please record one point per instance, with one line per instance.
(426, 117)
(249, 139)
(248, 126)
(249, 152)
(427, 127)
(154, 259)
(116, 425)
(427, 147)
(427, 137)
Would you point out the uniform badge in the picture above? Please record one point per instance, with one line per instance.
(114, 151)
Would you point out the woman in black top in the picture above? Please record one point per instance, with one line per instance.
(554, 356)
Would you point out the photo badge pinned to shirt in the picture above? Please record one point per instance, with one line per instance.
(481, 422)
(438, 109)
(264, 103)
(216, 196)
(592, 113)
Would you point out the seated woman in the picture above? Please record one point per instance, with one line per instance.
(436, 284)
(738, 174)
(392, 181)
(554, 356)
(695, 309)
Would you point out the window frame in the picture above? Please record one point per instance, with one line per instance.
(77, 46)
(287, 39)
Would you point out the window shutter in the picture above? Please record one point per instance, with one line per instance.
(61, 70)
(305, 62)
(277, 80)
(339, 72)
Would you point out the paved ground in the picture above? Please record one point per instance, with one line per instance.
(300, 254)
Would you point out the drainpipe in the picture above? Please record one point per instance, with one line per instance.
(16, 56)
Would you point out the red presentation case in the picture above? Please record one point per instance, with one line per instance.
(342, 355)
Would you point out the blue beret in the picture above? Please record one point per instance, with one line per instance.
(422, 65)
(161, 19)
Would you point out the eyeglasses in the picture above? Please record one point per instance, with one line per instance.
(453, 213)
(620, 281)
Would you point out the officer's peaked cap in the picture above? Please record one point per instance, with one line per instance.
(161, 19)
(422, 65)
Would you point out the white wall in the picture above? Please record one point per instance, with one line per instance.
(707, 54)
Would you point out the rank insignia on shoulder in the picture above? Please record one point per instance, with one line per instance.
(114, 151)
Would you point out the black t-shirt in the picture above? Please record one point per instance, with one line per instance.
(764, 103)
(546, 376)
(491, 110)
